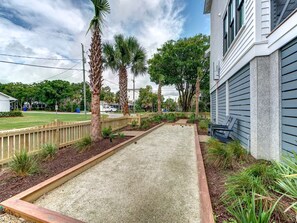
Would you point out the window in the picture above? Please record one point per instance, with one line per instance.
(232, 22)
(239, 14)
(225, 33)
(280, 10)
(231, 31)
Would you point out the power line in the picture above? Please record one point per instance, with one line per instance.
(57, 74)
(40, 66)
(38, 58)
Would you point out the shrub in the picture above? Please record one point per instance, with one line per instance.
(252, 208)
(288, 178)
(171, 117)
(192, 118)
(157, 118)
(213, 142)
(259, 177)
(11, 114)
(220, 156)
(238, 151)
(181, 115)
(134, 123)
(144, 124)
(121, 135)
(24, 164)
(84, 144)
(203, 124)
(48, 151)
(106, 132)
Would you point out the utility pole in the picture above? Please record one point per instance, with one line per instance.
(84, 78)
(133, 93)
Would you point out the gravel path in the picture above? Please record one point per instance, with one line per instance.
(154, 180)
(6, 218)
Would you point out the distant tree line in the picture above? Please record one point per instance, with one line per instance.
(45, 95)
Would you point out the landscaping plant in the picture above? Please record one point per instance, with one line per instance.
(220, 156)
(121, 135)
(106, 132)
(84, 144)
(203, 124)
(171, 117)
(225, 155)
(252, 208)
(134, 123)
(48, 151)
(238, 151)
(288, 179)
(23, 164)
(144, 124)
(192, 118)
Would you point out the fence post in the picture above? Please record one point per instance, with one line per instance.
(57, 135)
(139, 119)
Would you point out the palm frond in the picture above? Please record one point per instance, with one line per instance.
(102, 8)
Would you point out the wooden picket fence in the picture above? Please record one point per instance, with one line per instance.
(59, 133)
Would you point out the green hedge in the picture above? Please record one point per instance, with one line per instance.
(11, 114)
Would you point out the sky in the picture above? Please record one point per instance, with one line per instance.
(56, 28)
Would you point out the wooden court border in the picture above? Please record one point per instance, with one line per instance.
(21, 205)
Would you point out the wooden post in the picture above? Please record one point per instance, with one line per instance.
(57, 135)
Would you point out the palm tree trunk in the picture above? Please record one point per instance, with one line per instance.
(95, 83)
(159, 98)
(123, 82)
(197, 97)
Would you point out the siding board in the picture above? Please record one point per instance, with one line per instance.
(222, 103)
(289, 96)
(213, 106)
(239, 104)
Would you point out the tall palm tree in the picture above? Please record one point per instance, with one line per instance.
(102, 8)
(124, 54)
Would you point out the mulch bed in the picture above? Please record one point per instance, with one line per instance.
(216, 178)
(10, 184)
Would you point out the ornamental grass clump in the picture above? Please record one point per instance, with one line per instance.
(171, 117)
(192, 118)
(145, 124)
(203, 124)
(259, 177)
(239, 152)
(133, 123)
(252, 208)
(24, 164)
(225, 156)
(84, 144)
(48, 151)
(287, 181)
(219, 155)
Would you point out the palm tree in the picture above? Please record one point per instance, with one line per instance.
(102, 8)
(124, 54)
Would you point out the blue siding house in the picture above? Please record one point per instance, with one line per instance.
(253, 66)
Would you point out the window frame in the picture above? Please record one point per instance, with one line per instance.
(225, 33)
(239, 16)
(233, 21)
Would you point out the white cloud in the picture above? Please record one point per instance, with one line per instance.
(55, 28)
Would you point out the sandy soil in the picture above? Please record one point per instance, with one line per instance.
(154, 180)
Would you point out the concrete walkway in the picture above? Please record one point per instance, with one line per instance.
(154, 180)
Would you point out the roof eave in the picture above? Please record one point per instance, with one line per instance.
(207, 6)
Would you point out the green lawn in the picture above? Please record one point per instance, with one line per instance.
(36, 119)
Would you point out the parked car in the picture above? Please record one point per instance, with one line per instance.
(107, 108)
